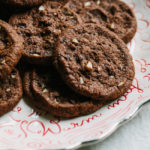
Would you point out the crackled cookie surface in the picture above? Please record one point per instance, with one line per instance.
(113, 14)
(10, 92)
(10, 49)
(62, 102)
(94, 62)
(40, 29)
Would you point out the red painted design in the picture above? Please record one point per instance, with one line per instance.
(145, 22)
(44, 131)
(147, 76)
(25, 125)
(21, 127)
(83, 122)
(126, 110)
(31, 114)
(146, 41)
(102, 124)
(18, 109)
(11, 117)
(124, 97)
(143, 64)
(143, 25)
(5, 125)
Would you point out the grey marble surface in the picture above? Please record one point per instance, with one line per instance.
(133, 135)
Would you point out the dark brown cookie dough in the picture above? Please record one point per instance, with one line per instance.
(113, 14)
(4, 12)
(27, 81)
(94, 62)
(62, 102)
(23, 3)
(60, 1)
(40, 29)
(81, 5)
(10, 92)
(10, 49)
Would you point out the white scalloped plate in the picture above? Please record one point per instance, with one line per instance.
(22, 128)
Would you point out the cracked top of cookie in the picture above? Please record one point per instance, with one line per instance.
(40, 29)
(48, 86)
(113, 14)
(10, 91)
(94, 62)
(10, 49)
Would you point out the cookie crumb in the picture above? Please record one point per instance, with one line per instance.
(89, 66)
(55, 14)
(81, 80)
(111, 77)
(112, 26)
(13, 76)
(45, 90)
(57, 31)
(55, 100)
(35, 54)
(8, 90)
(3, 61)
(121, 83)
(43, 85)
(41, 8)
(99, 68)
(98, 2)
(86, 4)
(75, 41)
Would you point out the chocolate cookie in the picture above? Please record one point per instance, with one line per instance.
(62, 102)
(94, 62)
(10, 92)
(10, 49)
(23, 3)
(40, 29)
(113, 14)
(29, 94)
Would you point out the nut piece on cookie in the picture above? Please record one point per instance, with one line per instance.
(89, 66)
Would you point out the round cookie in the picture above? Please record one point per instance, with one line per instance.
(40, 29)
(113, 14)
(94, 62)
(23, 3)
(10, 92)
(62, 102)
(10, 49)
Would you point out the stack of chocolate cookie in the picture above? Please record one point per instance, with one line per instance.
(11, 47)
(74, 55)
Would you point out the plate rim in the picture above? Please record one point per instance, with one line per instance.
(113, 129)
